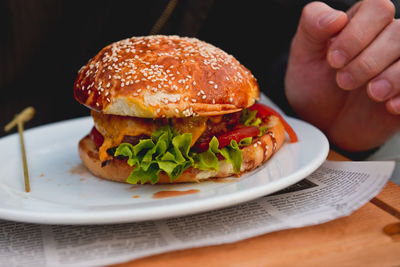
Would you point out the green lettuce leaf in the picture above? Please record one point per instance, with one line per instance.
(169, 151)
(245, 141)
(208, 160)
(263, 130)
(233, 155)
(166, 151)
(138, 175)
(249, 118)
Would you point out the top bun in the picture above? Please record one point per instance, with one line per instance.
(165, 76)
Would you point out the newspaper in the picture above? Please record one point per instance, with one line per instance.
(334, 190)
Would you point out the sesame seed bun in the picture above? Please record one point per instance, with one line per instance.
(165, 76)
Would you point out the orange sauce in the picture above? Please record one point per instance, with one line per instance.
(79, 170)
(132, 187)
(223, 180)
(166, 194)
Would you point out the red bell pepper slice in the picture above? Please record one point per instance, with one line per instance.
(225, 139)
(264, 111)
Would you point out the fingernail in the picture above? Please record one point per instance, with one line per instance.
(395, 105)
(345, 80)
(380, 89)
(328, 18)
(337, 59)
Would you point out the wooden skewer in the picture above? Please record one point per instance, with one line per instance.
(19, 120)
(25, 115)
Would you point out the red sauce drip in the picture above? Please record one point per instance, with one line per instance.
(167, 194)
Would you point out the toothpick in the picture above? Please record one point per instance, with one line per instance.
(19, 120)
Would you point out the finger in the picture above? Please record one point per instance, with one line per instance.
(386, 85)
(373, 60)
(369, 20)
(393, 105)
(353, 10)
(318, 23)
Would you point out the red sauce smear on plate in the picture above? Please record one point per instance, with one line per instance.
(166, 194)
(79, 170)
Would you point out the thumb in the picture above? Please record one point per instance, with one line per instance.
(318, 24)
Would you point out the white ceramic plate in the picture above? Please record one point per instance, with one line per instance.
(64, 192)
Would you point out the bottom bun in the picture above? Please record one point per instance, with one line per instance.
(261, 149)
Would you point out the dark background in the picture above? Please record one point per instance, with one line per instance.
(45, 42)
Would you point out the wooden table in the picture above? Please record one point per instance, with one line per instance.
(368, 237)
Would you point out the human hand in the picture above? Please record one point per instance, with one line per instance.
(340, 68)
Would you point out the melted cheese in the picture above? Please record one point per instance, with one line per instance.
(216, 119)
(114, 128)
(194, 125)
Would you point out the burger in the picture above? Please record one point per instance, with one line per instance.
(170, 109)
